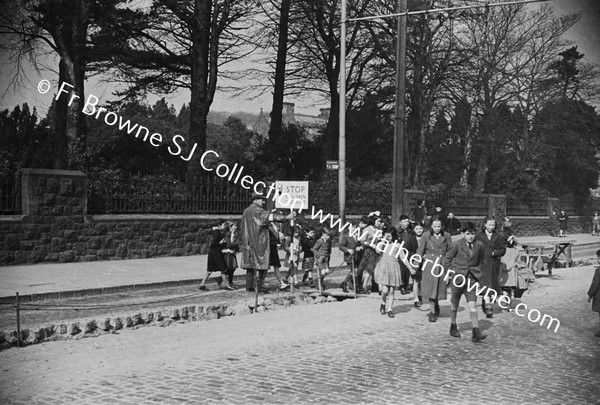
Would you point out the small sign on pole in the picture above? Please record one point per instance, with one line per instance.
(332, 164)
(292, 194)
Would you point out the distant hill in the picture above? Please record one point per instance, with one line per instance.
(219, 117)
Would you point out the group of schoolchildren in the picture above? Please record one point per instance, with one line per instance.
(306, 251)
(375, 267)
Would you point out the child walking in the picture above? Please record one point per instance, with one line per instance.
(596, 224)
(229, 253)
(388, 274)
(322, 251)
(594, 291)
(308, 264)
(293, 250)
(465, 259)
(216, 259)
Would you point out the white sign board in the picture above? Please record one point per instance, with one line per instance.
(292, 194)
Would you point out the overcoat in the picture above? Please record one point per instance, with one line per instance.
(216, 258)
(493, 249)
(255, 238)
(594, 291)
(433, 248)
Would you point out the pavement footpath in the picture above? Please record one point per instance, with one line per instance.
(58, 280)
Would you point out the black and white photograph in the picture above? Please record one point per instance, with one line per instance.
(300, 202)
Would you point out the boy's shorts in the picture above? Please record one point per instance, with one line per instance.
(323, 262)
(456, 292)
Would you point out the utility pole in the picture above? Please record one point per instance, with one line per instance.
(398, 170)
(342, 124)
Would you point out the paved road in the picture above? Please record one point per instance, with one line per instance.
(329, 353)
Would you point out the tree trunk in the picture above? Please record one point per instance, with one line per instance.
(278, 91)
(200, 99)
(70, 38)
(77, 128)
(61, 141)
(482, 166)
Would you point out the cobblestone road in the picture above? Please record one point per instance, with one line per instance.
(328, 353)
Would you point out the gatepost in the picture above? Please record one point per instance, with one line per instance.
(497, 206)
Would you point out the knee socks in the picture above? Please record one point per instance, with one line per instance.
(474, 319)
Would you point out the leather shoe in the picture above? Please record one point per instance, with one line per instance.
(391, 314)
(432, 317)
(454, 330)
(344, 287)
(382, 309)
(477, 335)
(403, 291)
(202, 288)
(417, 304)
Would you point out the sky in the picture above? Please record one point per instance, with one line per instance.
(585, 34)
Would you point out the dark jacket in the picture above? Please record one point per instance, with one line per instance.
(594, 291)
(410, 240)
(418, 214)
(459, 258)
(493, 249)
(348, 242)
(452, 225)
(307, 245)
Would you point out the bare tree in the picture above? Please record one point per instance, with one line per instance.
(509, 49)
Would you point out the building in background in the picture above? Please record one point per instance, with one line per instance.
(312, 123)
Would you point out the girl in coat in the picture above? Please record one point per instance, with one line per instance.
(594, 291)
(433, 246)
(216, 259)
(418, 229)
(232, 246)
(494, 247)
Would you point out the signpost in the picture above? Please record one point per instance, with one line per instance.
(297, 192)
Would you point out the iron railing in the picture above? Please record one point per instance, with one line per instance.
(10, 195)
(459, 205)
(526, 207)
(208, 196)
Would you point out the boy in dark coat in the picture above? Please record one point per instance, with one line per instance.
(352, 249)
(465, 259)
(594, 291)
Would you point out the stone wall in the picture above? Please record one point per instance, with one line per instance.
(55, 226)
(105, 237)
